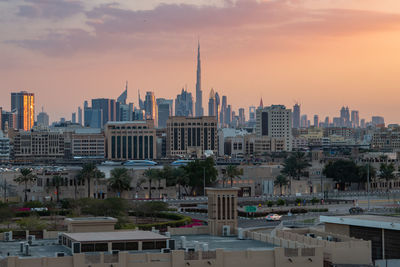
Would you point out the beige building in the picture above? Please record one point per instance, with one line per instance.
(38, 145)
(88, 143)
(275, 122)
(130, 140)
(222, 211)
(187, 136)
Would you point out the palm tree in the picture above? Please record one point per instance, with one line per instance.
(120, 180)
(281, 181)
(294, 166)
(58, 181)
(387, 172)
(151, 175)
(232, 171)
(181, 178)
(26, 177)
(89, 171)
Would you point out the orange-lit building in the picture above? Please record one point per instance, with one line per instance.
(23, 103)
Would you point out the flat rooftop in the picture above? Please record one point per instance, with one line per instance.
(373, 221)
(114, 236)
(39, 248)
(226, 243)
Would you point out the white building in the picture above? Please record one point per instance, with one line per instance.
(276, 122)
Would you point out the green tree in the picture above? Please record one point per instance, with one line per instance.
(151, 175)
(232, 171)
(182, 179)
(281, 181)
(57, 182)
(89, 172)
(6, 214)
(343, 172)
(198, 170)
(364, 171)
(120, 180)
(26, 177)
(294, 166)
(386, 172)
(32, 223)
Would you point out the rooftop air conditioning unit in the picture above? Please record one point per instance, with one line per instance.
(60, 254)
(240, 234)
(319, 237)
(165, 250)
(30, 239)
(8, 236)
(329, 238)
(226, 230)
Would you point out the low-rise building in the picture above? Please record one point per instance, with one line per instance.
(88, 143)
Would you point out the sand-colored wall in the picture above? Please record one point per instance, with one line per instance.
(196, 230)
(340, 229)
(178, 258)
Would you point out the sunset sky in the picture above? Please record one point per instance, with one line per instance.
(321, 53)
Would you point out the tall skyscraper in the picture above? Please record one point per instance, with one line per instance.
(252, 114)
(1, 118)
(242, 118)
(345, 117)
(355, 119)
(109, 108)
(184, 104)
(378, 120)
(228, 117)
(23, 103)
(296, 116)
(217, 106)
(43, 119)
(125, 110)
(150, 107)
(73, 117)
(164, 111)
(211, 103)
(199, 93)
(303, 121)
(80, 115)
(222, 113)
(316, 121)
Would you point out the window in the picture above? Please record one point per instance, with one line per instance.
(148, 245)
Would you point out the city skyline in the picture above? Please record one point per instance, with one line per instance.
(330, 65)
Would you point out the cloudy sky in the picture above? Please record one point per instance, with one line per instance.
(321, 53)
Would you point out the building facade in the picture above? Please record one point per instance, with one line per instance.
(275, 122)
(88, 143)
(191, 136)
(130, 140)
(39, 145)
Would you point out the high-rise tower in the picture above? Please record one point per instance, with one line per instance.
(199, 93)
(23, 104)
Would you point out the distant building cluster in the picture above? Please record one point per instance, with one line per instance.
(116, 129)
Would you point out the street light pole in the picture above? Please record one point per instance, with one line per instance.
(204, 181)
(368, 184)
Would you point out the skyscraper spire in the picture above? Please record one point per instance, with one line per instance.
(199, 93)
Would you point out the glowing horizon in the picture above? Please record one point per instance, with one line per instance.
(322, 54)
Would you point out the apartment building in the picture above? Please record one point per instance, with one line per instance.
(130, 140)
(187, 136)
(275, 122)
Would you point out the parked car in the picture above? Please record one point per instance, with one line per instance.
(273, 217)
(356, 210)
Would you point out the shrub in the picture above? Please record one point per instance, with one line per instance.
(297, 211)
(33, 204)
(280, 202)
(31, 223)
(298, 201)
(270, 203)
(314, 200)
(318, 210)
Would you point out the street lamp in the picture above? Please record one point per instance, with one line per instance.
(368, 184)
(204, 181)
